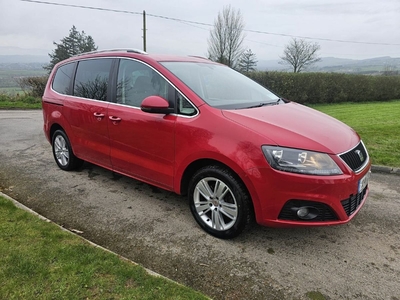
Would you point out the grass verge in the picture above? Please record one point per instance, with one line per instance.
(378, 124)
(38, 260)
(19, 102)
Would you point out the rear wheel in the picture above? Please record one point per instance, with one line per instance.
(219, 202)
(62, 152)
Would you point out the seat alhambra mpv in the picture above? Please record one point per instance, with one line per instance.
(198, 128)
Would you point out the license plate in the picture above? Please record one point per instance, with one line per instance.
(363, 182)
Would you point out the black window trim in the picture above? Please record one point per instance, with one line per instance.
(112, 81)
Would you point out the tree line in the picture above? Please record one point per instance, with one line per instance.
(225, 45)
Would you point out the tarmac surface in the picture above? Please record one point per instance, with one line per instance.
(359, 260)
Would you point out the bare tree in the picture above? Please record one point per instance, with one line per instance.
(247, 61)
(226, 38)
(389, 70)
(300, 54)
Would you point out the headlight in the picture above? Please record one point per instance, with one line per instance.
(300, 161)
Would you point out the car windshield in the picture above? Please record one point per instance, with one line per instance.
(220, 86)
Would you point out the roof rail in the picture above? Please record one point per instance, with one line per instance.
(198, 56)
(113, 50)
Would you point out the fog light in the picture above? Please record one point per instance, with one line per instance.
(307, 212)
(302, 212)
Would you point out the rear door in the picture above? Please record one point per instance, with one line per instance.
(142, 144)
(86, 111)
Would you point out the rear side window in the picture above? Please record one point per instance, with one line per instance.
(91, 80)
(62, 79)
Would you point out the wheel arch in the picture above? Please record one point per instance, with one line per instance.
(194, 166)
(54, 128)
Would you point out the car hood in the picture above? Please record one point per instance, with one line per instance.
(296, 126)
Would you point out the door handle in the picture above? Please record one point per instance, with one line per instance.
(98, 116)
(115, 120)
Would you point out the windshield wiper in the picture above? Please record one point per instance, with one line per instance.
(265, 104)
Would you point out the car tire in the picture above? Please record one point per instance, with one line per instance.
(219, 202)
(62, 152)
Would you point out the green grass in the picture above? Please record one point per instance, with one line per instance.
(315, 295)
(38, 260)
(19, 102)
(378, 124)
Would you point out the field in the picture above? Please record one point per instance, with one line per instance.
(377, 123)
(9, 78)
(11, 91)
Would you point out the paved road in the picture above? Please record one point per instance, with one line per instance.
(360, 260)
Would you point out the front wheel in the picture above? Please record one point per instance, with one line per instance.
(219, 202)
(62, 152)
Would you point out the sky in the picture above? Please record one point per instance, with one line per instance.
(354, 29)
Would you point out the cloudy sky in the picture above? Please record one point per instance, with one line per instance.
(356, 29)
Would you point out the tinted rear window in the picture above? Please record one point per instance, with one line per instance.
(62, 79)
(91, 80)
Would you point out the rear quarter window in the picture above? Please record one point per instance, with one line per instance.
(62, 79)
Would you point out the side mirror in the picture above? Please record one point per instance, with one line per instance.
(156, 105)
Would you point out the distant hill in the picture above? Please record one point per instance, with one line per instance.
(21, 66)
(365, 66)
(23, 63)
(340, 65)
(327, 64)
(12, 59)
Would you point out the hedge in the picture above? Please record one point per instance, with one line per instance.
(35, 85)
(311, 88)
(306, 88)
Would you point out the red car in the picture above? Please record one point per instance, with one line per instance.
(201, 129)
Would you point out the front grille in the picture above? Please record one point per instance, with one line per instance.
(289, 211)
(356, 158)
(351, 204)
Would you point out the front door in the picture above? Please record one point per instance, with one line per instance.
(142, 144)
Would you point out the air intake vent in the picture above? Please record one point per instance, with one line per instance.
(351, 204)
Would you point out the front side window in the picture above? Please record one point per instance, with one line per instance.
(62, 79)
(137, 81)
(91, 80)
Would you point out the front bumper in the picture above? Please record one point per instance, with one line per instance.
(336, 199)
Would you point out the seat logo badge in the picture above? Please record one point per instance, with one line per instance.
(360, 155)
